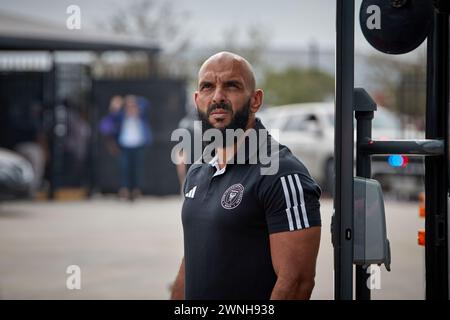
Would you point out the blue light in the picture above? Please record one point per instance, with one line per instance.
(395, 160)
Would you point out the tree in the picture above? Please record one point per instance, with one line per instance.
(256, 39)
(296, 85)
(400, 85)
(155, 21)
(158, 23)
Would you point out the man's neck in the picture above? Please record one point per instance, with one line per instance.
(227, 153)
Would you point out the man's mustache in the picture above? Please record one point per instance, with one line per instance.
(221, 105)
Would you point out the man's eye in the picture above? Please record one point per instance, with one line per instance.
(205, 86)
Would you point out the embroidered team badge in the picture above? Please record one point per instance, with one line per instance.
(232, 197)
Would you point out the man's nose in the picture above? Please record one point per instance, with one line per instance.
(219, 95)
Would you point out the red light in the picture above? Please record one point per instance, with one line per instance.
(421, 237)
(405, 161)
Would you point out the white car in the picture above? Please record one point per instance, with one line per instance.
(307, 129)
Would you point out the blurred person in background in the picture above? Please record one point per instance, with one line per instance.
(76, 143)
(109, 125)
(129, 132)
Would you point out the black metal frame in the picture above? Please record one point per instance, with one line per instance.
(343, 198)
(435, 147)
(436, 168)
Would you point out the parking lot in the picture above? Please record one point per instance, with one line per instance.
(133, 250)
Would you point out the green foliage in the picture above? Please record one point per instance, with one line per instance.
(295, 85)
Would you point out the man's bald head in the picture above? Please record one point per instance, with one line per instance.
(232, 62)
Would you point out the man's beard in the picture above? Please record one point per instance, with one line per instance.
(239, 119)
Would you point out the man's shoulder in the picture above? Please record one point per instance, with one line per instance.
(195, 167)
(287, 162)
(288, 165)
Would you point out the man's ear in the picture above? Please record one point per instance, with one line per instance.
(195, 98)
(257, 100)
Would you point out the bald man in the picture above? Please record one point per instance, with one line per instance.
(246, 235)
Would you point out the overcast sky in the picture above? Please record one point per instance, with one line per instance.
(289, 23)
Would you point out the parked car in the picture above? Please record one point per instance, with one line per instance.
(16, 175)
(308, 130)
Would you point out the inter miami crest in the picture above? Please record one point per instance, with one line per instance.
(232, 197)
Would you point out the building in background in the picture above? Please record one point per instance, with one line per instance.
(71, 75)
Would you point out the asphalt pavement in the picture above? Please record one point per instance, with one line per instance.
(132, 250)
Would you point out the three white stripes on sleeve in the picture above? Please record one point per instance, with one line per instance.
(296, 195)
